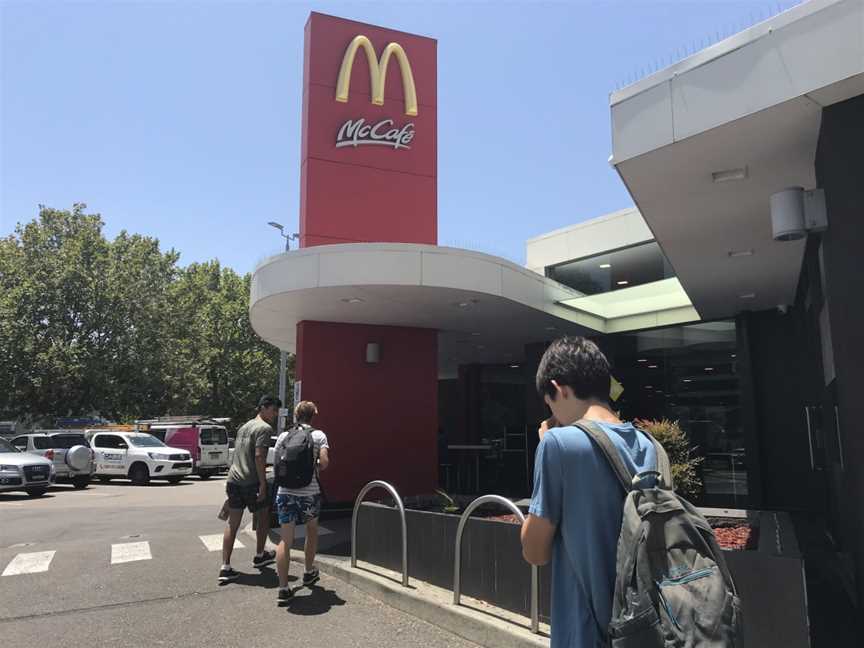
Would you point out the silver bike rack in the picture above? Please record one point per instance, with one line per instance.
(368, 487)
(457, 571)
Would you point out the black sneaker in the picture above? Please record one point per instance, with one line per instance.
(312, 577)
(267, 558)
(228, 575)
(285, 595)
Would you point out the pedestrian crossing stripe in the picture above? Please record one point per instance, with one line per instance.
(214, 542)
(29, 563)
(130, 552)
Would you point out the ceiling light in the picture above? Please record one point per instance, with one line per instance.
(688, 380)
(462, 304)
(623, 282)
(551, 328)
(730, 175)
(352, 300)
(709, 368)
(734, 355)
(514, 366)
(649, 386)
(734, 254)
(642, 360)
(652, 366)
(605, 265)
(747, 296)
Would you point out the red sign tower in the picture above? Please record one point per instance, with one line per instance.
(369, 174)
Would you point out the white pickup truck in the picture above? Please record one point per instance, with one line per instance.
(137, 456)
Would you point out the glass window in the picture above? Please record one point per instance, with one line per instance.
(20, 443)
(213, 436)
(42, 442)
(159, 434)
(109, 441)
(64, 441)
(633, 266)
(145, 441)
(5, 446)
(689, 374)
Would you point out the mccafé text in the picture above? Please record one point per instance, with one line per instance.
(356, 132)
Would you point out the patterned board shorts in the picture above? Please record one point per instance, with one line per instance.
(297, 509)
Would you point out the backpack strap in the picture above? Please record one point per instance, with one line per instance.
(610, 450)
(663, 465)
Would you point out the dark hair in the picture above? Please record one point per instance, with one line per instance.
(577, 363)
(269, 401)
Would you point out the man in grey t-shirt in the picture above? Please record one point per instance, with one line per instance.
(246, 486)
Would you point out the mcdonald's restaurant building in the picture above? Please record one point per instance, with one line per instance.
(729, 298)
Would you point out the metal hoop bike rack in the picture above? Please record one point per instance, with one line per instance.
(457, 570)
(368, 487)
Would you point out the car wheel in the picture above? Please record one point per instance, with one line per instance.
(205, 475)
(175, 480)
(81, 482)
(139, 475)
(36, 492)
(104, 479)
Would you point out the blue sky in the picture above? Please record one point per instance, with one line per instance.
(181, 120)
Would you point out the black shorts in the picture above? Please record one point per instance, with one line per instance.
(240, 497)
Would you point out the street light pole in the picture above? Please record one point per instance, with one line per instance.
(283, 355)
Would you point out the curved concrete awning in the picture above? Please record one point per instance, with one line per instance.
(485, 307)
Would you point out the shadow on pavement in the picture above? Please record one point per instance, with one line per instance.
(15, 496)
(318, 601)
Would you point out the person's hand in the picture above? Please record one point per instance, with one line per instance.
(546, 425)
(262, 494)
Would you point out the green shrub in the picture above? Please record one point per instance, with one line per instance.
(685, 466)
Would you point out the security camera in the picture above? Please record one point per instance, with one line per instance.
(796, 213)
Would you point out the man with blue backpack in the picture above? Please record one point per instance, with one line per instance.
(299, 455)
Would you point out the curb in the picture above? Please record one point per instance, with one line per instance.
(481, 624)
(422, 601)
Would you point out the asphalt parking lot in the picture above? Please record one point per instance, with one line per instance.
(127, 565)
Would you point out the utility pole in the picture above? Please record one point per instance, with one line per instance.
(283, 355)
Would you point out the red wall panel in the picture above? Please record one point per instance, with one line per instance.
(380, 418)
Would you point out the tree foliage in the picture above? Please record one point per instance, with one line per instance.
(685, 467)
(118, 328)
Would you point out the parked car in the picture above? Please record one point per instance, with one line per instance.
(137, 456)
(68, 450)
(22, 471)
(205, 440)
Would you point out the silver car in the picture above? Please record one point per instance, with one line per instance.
(22, 471)
(69, 450)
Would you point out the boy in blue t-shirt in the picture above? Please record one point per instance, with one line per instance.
(577, 505)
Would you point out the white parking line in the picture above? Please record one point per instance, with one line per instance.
(214, 542)
(130, 552)
(29, 563)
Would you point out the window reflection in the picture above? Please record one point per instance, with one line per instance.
(690, 374)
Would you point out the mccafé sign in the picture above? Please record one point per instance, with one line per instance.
(386, 132)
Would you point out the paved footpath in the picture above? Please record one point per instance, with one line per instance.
(118, 565)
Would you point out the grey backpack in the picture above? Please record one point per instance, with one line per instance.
(672, 586)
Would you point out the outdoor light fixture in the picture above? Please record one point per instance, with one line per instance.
(734, 254)
(276, 225)
(729, 175)
(796, 213)
(373, 353)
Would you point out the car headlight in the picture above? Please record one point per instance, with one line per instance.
(8, 468)
(158, 456)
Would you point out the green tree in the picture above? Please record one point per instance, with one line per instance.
(89, 325)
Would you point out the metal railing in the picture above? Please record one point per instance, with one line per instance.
(368, 487)
(457, 569)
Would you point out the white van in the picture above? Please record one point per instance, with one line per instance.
(137, 456)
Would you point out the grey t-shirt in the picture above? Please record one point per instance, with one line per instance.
(251, 435)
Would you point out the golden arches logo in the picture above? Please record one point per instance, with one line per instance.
(377, 72)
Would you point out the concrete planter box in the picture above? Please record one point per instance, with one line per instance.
(770, 578)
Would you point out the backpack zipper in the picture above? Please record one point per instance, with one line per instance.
(696, 575)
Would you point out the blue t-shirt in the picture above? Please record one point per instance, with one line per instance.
(575, 488)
